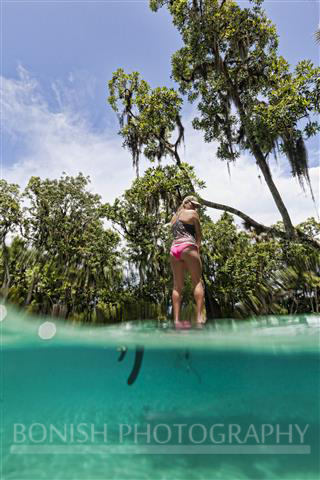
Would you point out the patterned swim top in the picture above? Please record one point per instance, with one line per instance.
(183, 233)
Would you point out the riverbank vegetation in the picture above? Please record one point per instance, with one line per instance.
(58, 257)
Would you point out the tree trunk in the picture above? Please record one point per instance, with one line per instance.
(260, 159)
(30, 291)
(274, 191)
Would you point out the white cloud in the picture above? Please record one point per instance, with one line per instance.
(57, 141)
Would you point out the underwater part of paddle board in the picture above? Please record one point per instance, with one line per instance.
(137, 365)
(123, 350)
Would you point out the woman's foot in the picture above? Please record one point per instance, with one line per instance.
(200, 322)
(182, 325)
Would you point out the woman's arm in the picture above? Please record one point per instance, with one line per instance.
(173, 218)
(171, 221)
(196, 222)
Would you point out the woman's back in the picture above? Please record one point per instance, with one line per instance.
(183, 229)
(186, 216)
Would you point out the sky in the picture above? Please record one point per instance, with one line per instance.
(57, 58)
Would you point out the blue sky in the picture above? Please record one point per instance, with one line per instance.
(57, 59)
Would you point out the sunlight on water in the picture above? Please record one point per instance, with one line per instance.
(143, 401)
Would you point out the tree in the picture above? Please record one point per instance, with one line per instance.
(76, 258)
(247, 97)
(10, 220)
(147, 117)
(240, 268)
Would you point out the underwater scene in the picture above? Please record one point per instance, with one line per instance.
(141, 400)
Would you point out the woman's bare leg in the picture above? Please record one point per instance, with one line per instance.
(192, 260)
(178, 269)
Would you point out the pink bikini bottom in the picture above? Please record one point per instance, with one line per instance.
(177, 250)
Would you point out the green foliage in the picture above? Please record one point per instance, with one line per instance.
(299, 279)
(59, 214)
(66, 256)
(10, 219)
(148, 117)
(230, 57)
(10, 211)
(256, 274)
(247, 97)
(93, 277)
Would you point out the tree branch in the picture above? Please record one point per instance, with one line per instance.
(259, 227)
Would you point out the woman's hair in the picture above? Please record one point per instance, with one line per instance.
(181, 206)
(189, 198)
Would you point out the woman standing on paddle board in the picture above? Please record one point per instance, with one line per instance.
(185, 255)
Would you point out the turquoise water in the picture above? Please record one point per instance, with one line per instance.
(175, 386)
